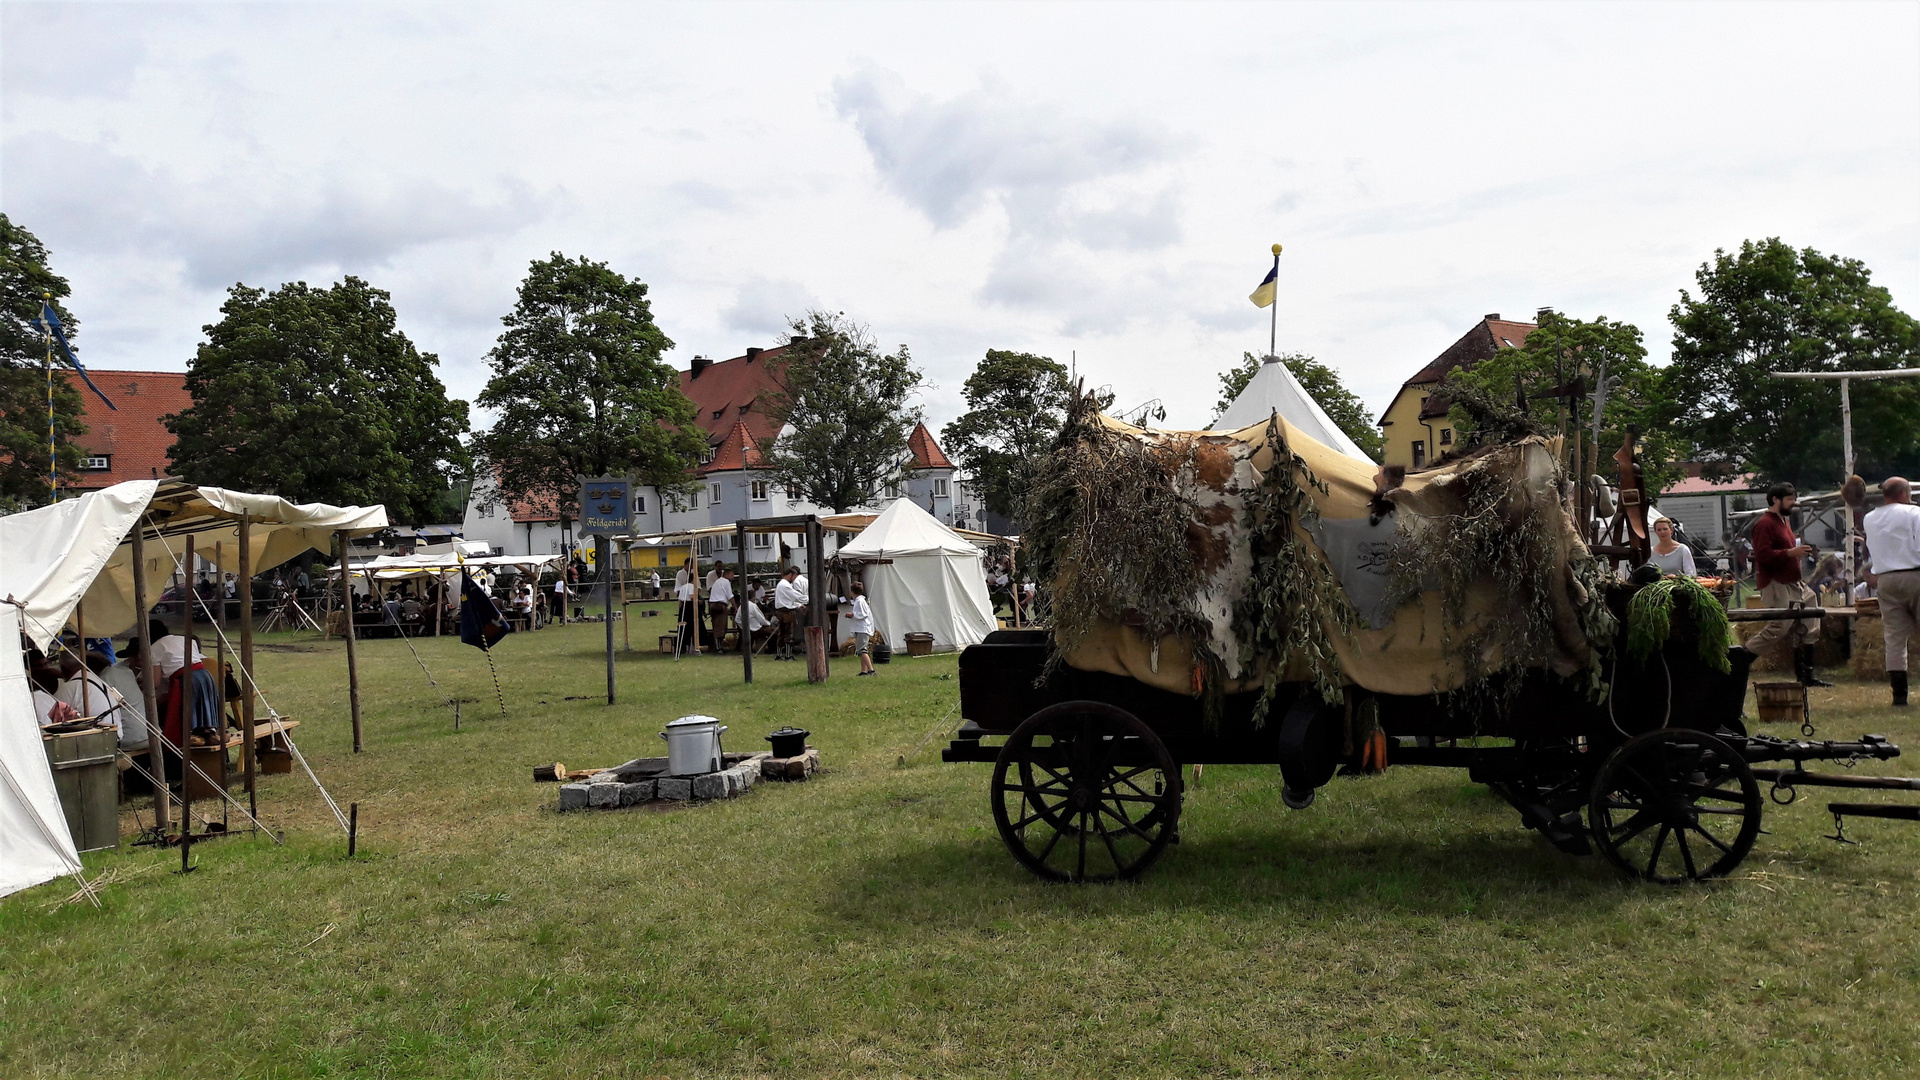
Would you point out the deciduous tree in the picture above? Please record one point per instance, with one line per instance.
(316, 396)
(843, 417)
(580, 389)
(1016, 403)
(1768, 308)
(25, 281)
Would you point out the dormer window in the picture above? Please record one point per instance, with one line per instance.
(97, 464)
(719, 412)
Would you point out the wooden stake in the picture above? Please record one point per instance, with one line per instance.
(247, 689)
(149, 678)
(353, 661)
(353, 828)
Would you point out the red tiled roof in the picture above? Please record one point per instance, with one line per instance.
(1487, 337)
(133, 439)
(737, 450)
(728, 392)
(1700, 485)
(926, 453)
(525, 510)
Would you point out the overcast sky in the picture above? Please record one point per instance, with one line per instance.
(1099, 178)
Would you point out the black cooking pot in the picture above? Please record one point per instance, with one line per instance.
(789, 742)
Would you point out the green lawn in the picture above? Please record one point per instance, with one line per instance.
(869, 922)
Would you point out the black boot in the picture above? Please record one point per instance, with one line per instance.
(1803, 667)
(1898, 679)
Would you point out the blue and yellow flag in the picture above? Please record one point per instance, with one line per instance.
(52, 322)
(1263, 296)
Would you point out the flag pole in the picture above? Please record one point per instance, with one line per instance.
(1273, 324)
(53, 447)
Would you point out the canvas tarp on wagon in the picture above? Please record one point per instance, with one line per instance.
(1332, 559)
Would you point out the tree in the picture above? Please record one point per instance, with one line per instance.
(842, 417)
(1771, 308)
(315, 395)
(581, 390)
(1016, 404)
(25, 281)
(1321, 383)
(1564, 351)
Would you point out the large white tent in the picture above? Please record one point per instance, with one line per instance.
(922, 576)
(1274, 389)
(53, 555)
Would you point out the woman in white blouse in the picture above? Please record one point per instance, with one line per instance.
(1670, 555)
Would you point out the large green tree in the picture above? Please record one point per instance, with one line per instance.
(25, 281)
(1016, 403)
(1321, 383)
(842, 417)
(579, 389)
(315, 395)
(1768, 307)
(1566, 353)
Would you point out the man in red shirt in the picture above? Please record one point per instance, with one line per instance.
(1776, 559)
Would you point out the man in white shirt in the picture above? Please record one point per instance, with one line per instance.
(689, 597)
(860, 624)
(1893, 538)
(124, 677)
(788, 599)
(560, 598)
(656, 584)
(719, 603)
(91, 695)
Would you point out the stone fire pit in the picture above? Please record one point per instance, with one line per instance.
(645, 780)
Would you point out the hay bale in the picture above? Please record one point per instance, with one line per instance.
(1870, 649)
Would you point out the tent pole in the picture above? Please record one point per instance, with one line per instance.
(186, 730)
(742, 596)
(605, 557)
(247, 688)
(148, 682)
(220, 583)
(816, 634)
(353, 664)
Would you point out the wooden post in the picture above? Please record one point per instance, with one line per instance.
(816, 636)
(186, 727)
(353, 662)
(247, 689)
(626, 626)
(86, 673)
(604, 555)
(149, 680)
(439, 600)
(743, 597)
(220, 584)
(693, 578)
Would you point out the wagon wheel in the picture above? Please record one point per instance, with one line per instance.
(1675, 805)
(1084, 791)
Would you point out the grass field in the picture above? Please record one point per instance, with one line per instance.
(870, 923)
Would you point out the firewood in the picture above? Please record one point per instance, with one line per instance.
(549, 774)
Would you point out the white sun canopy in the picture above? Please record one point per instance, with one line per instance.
(1274, 389)
(932, 581)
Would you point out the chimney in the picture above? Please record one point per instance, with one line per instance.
(1540, 316)
(700, 364)
(753, 351)
(1493, 316)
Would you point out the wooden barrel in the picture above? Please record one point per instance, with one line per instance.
(919, 643)
(1780, 702)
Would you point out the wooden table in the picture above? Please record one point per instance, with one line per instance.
(212, 760)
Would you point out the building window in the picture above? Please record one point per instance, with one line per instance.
(693, 499)
(939, 489)
(97, 464)
(706, 545)
(1446, 436)
(713, 494)
(893, 489)
(1419, 453)
(759, 489)
(639, 504)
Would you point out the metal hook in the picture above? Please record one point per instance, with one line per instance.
(1840, 832)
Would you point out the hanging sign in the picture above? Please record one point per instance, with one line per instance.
(606, 507)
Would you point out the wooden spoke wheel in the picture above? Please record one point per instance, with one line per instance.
(1673, 806)
(1084, 791)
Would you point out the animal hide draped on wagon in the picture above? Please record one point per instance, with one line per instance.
(1207, 560)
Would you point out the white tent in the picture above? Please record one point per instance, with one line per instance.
(933, 582)
(52, 557)
(1274, 389)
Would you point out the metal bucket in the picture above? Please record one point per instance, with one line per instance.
(693, 745)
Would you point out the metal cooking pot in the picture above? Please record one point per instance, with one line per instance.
(693, 745)
(789, 742)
